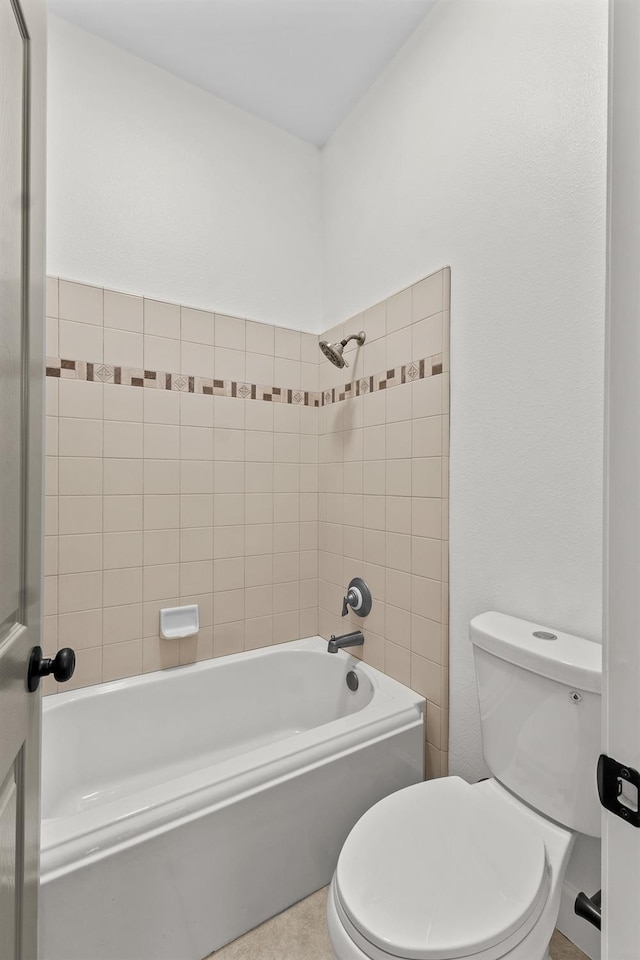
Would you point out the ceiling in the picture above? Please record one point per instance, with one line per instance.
(300, 64)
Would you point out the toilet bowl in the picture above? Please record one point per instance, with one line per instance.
(445, 870)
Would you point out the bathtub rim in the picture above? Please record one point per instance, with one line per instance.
(71, 841)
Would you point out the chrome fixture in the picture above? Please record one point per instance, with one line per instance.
(333, 351)
(358, 598)
(354, 639)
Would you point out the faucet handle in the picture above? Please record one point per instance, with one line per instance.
(358, 597)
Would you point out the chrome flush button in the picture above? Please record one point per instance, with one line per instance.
(543, 635)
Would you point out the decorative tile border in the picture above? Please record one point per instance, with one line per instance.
(183, 383)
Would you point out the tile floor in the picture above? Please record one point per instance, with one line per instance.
(300, 934)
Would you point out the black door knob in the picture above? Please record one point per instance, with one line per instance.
(61, 666)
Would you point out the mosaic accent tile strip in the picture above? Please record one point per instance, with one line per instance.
(183, 383)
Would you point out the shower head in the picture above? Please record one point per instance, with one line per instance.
(333, 351)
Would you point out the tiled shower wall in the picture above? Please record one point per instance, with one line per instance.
(383, 492)
(167, 483)
(177, 472)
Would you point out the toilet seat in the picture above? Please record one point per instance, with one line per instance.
(440, 871)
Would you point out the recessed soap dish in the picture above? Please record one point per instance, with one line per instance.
(178, 622)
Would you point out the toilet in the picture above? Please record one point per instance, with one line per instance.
(445, 870)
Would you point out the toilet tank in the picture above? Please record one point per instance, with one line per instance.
(540, 693)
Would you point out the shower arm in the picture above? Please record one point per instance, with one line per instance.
(353, 336)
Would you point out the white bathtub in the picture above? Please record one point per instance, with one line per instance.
(182, 808)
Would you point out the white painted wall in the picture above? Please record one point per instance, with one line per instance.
(158, 187)
(483, 146)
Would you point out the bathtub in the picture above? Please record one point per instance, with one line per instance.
(182, 808)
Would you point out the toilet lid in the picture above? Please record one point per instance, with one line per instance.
(437, 871)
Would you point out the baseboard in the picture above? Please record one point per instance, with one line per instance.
(583, 934)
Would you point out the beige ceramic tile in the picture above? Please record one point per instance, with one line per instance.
(426, 638)
(80, 515)
(197, 476)
(200, 647)
(288, 373)
(257, 541)
(197, 360)
(159, 654)
(260, 369)
(309, 352)
(161, 353)
(374, 357)
(260, 338)
(122, 586)
(80, 341)
(122, 513)
(161, 406)
(399, 348)
(123, 403)
(426, 597)
(161, 441)
(196, 510)
(427, 337)
(79, 438)
(427, 297)
(80, 630)
(229, 364)
(426, 517)
(80, 302)
(124, 348)
(122, 476)
(288, 343)
(161, 512)
(79, 591)
(258, 632)
(88, 669)
(399, 311)
(229, 332)
(162, 581)
(122, 624)
(52, 297)
(397, 662)
(161, 319)
(427, 397)
(122, 549)
(374, 321)
(52, 345)
(427, 437)
(77, 398)
(161, 546)
(121, 660)
(123, 440)
(196, 543)
(426, 477)
(161, 477)
(196, 410)
(80, 553)
(79, 476)
(197, 326)
(123, 311)
(228, 638)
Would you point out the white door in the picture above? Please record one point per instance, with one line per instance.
(621, 839)
(22, 116)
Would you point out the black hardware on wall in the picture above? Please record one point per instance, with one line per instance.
(612, 777)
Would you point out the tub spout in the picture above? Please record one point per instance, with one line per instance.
(354, 639)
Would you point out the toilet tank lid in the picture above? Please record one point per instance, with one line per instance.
(571, 660)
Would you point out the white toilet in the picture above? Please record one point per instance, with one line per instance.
(444, 869)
